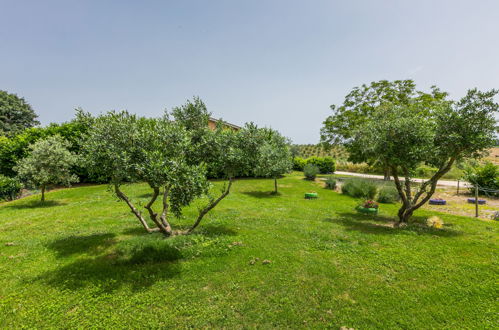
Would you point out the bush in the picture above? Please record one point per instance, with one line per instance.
(10, 188)
(330, 183)
(354, 167)
(485, 176)
(360, 188)
(388, 194)
(299, 163)
(325, 164)
(310, 171)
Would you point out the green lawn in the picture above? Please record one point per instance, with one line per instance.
(82, 260)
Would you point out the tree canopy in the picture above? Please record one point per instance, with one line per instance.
(15, 114)
(49, 162)
(436, 133)
(160, 152)
(361, 105)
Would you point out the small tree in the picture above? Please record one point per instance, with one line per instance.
(15, 114)
(48, 163)
(403, 136)
(128, 148)
(274, 157)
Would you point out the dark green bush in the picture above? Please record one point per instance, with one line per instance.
(14, 148)
(299, 163)
(310, 171)
(485, 176)
(388, 194)
(330, 183)
(325, 164)
(10, 188)
(360, 188)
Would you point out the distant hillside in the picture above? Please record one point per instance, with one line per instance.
(309, 150)
(494, 155)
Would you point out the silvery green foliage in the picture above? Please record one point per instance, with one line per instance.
(49, 162)
(127, 148)
(274, 157)
(436, 133)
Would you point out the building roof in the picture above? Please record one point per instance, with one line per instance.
(226, 123)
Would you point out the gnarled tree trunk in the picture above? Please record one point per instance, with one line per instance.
(133, 209)
(210, 206)
(422, 195)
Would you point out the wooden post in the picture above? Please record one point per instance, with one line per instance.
(458, 187)
(476, 200)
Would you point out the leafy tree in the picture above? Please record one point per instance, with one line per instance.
(437, 134)
(486, 177)
(360, 106)
(49, 162)
(274, 157)
(128, 148)
(16, 147)
(15, 114)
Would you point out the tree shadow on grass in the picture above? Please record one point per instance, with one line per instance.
(384, 225)
(33, 204)
(208, 229)
(89, 244)
(136, 264)
(111, 272)
(262, 194)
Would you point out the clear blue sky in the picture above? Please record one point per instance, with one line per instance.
(277, 63)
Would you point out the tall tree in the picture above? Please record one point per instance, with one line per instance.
(360, 106)
(15, 114)
(274, 157)
(436, 133)
(49, 162)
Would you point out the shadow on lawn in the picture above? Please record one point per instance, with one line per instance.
(110, 272)
(90, 244)
(363, 223)
(33, 204)
(208, 229)
(101, 262)
(261, 194)
(135, 264)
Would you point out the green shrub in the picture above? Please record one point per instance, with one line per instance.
(354, 167)
(330, 183)
(10, 188)
(360, 188)
(325, 164)
(388, 194)
(310, 171)
(298, 163)
(485, 176)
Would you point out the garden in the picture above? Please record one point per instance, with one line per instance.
(120, 220)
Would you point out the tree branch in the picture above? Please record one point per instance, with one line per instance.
(210, 206)
(133, 209)
(154, 216)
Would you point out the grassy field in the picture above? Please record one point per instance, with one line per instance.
(82, 260)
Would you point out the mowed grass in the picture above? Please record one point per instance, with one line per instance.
(82, 260)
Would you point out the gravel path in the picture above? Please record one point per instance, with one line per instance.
(446, 183)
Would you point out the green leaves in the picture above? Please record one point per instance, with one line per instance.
(49, 162)
(15, 114)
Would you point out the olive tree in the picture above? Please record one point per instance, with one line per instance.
(403, 136)
(273, 157)
(127, 148)
(49, 162)
(360, 106)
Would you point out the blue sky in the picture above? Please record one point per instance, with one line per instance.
(276, 63)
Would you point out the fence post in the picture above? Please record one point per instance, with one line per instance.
(476, 200)
(458, 187)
